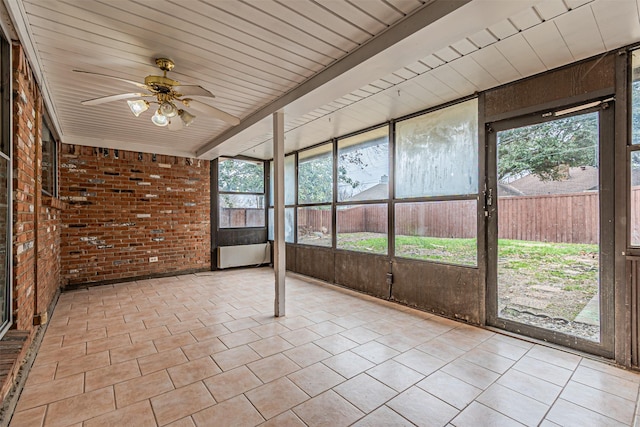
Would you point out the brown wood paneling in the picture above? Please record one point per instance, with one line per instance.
(290, 258)
(315, 262)
(448, 290)
(591, 76)
(363, 272)
(632, 274)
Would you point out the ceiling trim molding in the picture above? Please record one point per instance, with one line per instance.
(126, 146)
(423, 17)
(16, 11)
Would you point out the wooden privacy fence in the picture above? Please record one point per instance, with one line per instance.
(563, 218)
(241, 217)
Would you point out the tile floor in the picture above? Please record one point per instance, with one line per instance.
(205, 350)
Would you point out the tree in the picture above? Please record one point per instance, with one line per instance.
(240, 176)
(543, 149)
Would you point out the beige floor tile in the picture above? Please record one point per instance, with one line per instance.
(33, 417)
(486, 359)
(538, 389)
(236, 339)
(125, 328)
(203, 348)
(420, 361)
(209, 332)
(348, 364)
(328, 410)
(128, 352)
(606, 382)
(286, 419)
(185, 326)
(149, 334)
(316, 379)
(326, 328)
(273, 367)
(365, 392)
(441, 350)
(238, 356)
(270, 329)
(556, 357)
(599, 401)
(108, 343)
(109, 375)
(182, 422)
(375, 352)
(336, 344)
(52, 355)
(142, 388)
(296, 322)
(451, 390)
(232, 383)
(51, 391)
(181, 402)
(173, 341)
(82, 364)
(240, 324)
(276, 397)
(565, 413)
(307, 354)
(514, 405)
(85, 336)
(138, 414)
(399, 341)
(41, 374)
(238, 409)
(80, 408)
(383, 416)
(506, 349)
(543, 370)
(159, 361)
(471, 373)
(193, 371)
(422, 408)
(477, 414)
(300, 336)
(395, 375)
(269, 346)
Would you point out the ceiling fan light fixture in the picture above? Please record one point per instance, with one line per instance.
(187, 118)
(168, 109)
(138, 106)
(159, 119)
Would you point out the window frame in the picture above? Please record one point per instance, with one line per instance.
(264, 193)
(53, 144)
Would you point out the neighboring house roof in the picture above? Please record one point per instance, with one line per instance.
(580, 179)
(377, 192)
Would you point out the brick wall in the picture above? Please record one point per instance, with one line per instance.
(132, 214)
(25, 101)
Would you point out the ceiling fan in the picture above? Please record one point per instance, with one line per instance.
(167, 93)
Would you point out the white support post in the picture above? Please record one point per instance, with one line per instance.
(279, 264)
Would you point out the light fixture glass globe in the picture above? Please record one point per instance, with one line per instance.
(186, 117)
(138, 106)
(159, 120)
(167, 109)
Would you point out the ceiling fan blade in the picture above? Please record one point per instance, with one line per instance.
(110, 98)
(193, 90)
(140, 85)
(212, 111)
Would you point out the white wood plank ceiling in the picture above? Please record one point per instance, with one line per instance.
(259, 55)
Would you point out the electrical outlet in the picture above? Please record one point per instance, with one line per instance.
(153, 259)
(389, 279)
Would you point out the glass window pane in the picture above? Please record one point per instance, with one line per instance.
(4, 244)
(437, 153)
(363, 228)
(635, 198)
(289, 181)
(635, 97)
(363, 166)
(288, 225)
(314, 225)
(241, 210)
(437, 231)
(240, 176)
(315, 175)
